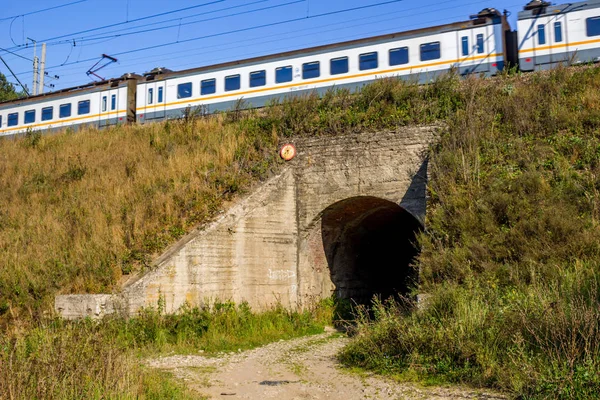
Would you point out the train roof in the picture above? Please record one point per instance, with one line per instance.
(539, 8)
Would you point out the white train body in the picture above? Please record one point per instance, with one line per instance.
(420, 55)
(96, 104)
(561, 34)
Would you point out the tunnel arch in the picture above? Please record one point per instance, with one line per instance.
(369, 244)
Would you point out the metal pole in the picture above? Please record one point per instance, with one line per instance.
(35, 67)
(42, 69)
(35, 75)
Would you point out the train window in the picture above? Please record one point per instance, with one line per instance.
(232, 82)
(258, 78)
(150, 95)
(368, 61)
(113, 102)
(283, 74)
(208, 86)
(465, 45)
(64, 110)
(480, 44)
(184, 90)
(311, 70)
(104, 105)
(0, 121)
(338, 65)
(399, 56)
(541, 31)
(558, 32)
(593, 26)
(83, 107)
(13, 119)
(47, 113)
(29, 117)
(430, 51)
(160, 95)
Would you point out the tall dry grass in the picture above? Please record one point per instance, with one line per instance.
(80, 209)
(511, 253)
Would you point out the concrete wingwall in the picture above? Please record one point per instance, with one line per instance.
(268, 247)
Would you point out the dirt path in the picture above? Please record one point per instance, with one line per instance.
(303, 368)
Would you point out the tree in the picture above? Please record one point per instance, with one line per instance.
(7, 90)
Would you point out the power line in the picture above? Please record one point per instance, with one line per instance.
(43, 10)
(134, 20)
(237, 31)
(177, 19)
(15, 76)
(190, 23)
(15, 54)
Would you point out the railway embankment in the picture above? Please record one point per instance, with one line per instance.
(509, 257)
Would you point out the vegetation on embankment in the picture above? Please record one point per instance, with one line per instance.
(511, 254)
(100, 359)
(80, 209)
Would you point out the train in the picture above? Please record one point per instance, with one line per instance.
(546, 36)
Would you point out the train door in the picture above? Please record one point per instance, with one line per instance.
(156, 94)
(109, 106)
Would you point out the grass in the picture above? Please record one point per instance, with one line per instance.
(101, 359)
(510, 257)
(80, 211)
(511, 254)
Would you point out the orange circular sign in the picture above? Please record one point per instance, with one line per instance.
(288, 151)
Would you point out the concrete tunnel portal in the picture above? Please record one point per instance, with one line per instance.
(370, 244)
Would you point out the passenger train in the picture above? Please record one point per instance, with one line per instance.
(547, 35)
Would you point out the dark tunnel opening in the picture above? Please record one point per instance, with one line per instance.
(370, 244)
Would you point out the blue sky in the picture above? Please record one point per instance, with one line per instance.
(203, 30)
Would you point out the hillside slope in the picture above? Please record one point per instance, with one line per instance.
(78, 210)
(511, 256)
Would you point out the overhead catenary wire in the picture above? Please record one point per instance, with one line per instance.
(173, 19)
(16, 54)
(236, 31)
(189, 23)
(15, 76)
(42, 10)
(133, 20)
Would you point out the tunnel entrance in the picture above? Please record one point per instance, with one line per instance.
(369, 244)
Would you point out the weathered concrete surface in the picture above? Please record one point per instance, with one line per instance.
(269, 247)
(93, 306)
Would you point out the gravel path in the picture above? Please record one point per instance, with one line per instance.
(303, 368)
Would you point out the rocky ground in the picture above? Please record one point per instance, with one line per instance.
(303, 368)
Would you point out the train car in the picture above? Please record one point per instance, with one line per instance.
(472, 46)
(561, 34)
(100, 104)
